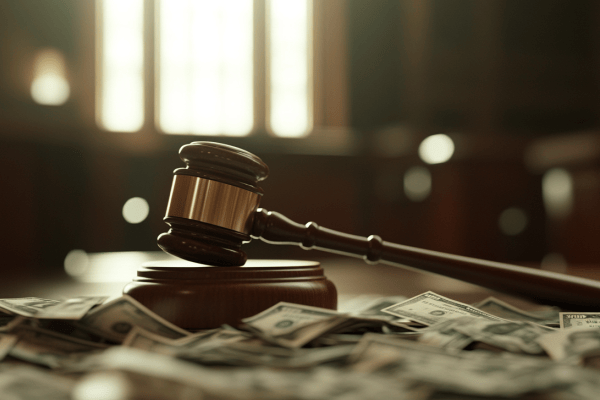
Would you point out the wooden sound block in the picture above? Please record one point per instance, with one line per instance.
(195, 296)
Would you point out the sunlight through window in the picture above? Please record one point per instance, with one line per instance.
(121, 83)
(289, 72)
(205, 67)
(206, 61)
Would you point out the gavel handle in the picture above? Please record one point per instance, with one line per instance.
(567, 292)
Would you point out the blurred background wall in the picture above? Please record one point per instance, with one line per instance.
(512, 85)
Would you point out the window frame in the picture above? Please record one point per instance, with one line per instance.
(330, 133)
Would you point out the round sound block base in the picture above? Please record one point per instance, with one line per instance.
(196, 296)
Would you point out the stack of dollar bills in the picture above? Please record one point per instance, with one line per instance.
(425, 347)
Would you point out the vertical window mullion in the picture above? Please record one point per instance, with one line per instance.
(121, 65)
(260, 66)
(150, 15)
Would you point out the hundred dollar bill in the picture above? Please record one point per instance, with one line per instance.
(371, 309)
(293, 325)
(444, 335)
(504, 310)
(115, 319)
(430, 308)
(251, 354)
(469, 373)
(509, 335)
(140, 338)
(186, 346)
(35, 307)
(579, 320)
(572, 344)
(48, 348)
(322, 382)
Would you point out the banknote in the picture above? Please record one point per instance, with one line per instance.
(572, 344)
(372, 310)
(35, 307)
(26, 306)
(300, 352)
(293, 325)
(469, 373)
(254, 354)
(514, 336)
(140, 338)
(363, 302)
(579, 320)
(444, 335)
(186, 346)
(47, 348)
(430, 308)
(114, 320)
(243, 383)
(334, 339)
(504, 310)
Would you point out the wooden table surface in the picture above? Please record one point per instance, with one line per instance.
(108, 273)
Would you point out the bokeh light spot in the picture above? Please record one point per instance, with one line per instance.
(436, 149)
(76, 262)
(417, 183)
(557, 192)
(512, 221)
(135, 210)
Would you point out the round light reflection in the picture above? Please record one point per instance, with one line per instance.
(557, 190)
(512, 221)
(417, 183)
(76, 262)
(436, 149)
(135, 210)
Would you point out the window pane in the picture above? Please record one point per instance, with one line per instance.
(205, 67)
(289, 47)
(121, 83)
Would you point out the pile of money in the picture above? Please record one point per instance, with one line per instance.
(425, 347)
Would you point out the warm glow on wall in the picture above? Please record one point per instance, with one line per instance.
(50, 86)
(206, 67)
(121, 66)
(289, 49)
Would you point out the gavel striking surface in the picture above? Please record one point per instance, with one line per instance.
(195, 296)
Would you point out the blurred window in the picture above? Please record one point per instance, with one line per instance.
(227, 67)
(120, 104)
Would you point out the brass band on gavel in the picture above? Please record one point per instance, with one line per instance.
(212, 202)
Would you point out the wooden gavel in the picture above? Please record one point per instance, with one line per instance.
(213, 210)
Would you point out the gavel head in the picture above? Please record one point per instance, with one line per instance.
(212, 203)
